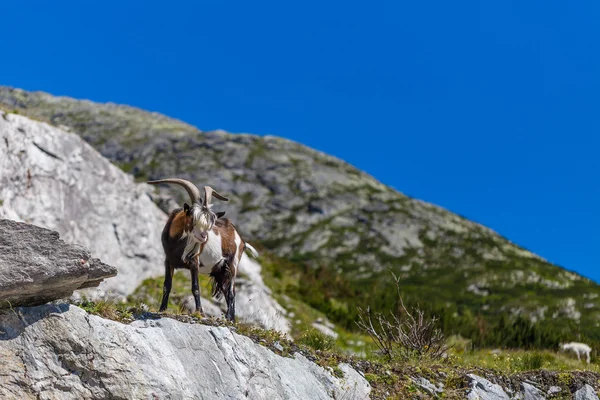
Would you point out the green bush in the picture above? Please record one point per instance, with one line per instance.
(316, 340)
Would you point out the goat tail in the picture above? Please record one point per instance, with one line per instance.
(252, 250)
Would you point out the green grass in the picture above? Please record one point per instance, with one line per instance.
(316, 340)
(109, 310)
(516, 360)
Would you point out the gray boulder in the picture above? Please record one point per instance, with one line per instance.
(482, 389)
(37, 267)
(586, 392)
(530, 392)
(427, 386)
(552, 390)
(61, 352)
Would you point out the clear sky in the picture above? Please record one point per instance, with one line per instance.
(487, 108)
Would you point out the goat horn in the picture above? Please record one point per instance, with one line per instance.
(192, 190)
(209, 192)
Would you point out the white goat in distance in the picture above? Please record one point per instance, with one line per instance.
(578, 348)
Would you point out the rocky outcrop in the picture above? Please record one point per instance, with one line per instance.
(482, 389)
(530, 392)
(586, 393)
(52, 178)
(61, 352)
(36, 266)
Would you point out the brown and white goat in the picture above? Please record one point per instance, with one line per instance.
(198, 239)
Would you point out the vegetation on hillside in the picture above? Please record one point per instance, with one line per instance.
(333, 233)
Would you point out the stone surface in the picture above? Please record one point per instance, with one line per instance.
(52, 178)
(61, 352)
(482, 389)
(530, 392)
(36, 266)
(554, 390)
(586, 392)
(427, 386)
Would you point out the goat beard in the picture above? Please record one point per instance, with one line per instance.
(193, 247)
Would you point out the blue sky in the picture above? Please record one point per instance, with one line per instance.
(490, 109)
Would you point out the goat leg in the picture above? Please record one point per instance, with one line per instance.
(195, 287)
(230, 298)
(166, 286)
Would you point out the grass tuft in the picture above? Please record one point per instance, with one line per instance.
(108, 310)
(316, 340)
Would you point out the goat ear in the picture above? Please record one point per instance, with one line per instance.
(186, 208)
(220, 214)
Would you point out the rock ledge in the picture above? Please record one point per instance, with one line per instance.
(36, 266)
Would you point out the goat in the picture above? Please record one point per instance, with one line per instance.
(198, 239)
(578, 348)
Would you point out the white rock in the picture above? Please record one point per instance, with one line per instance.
(429, 387)
(530, 392)
(586, 392)
(61, 352)
(482, 389)
(553, 390)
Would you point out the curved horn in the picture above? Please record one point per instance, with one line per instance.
(192, 190)
(209, 192)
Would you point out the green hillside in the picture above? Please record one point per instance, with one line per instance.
(332, 233)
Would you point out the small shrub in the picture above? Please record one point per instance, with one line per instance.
(406, 335)
(337, 372)
(316, 340)
(565, 379)
(383, 378)
(107, 310)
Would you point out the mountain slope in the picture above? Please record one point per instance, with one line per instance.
(338, 229)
